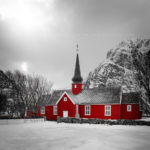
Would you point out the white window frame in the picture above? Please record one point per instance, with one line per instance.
(107, 110)
(65, 99)
(42, 110)
(129, 108)
(87, 110)
(55, 110)
(75, 86)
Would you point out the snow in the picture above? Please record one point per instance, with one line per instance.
(48, 135)
(145, 119)
(19, 121)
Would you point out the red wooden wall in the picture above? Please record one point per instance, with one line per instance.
(31, 114)
(134, 114)
(49, 113)
(78, 88)
(38, 114)
(61, 106)
(98, 111)
(66, 105)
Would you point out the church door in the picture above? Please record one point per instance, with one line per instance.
(65, 114)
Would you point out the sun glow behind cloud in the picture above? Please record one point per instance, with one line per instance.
(24, 67)
(25, 15)
(43, 33)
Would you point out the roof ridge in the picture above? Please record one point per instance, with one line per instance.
(62, 90)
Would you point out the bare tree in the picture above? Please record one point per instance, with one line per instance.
(3, 103)
(37, 87)
(20, 91)
(28, 91)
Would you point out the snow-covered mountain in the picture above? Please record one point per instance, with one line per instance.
(117, 69)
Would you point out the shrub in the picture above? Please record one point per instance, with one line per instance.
(100, 121)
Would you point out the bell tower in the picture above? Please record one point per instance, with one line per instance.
(77, 79)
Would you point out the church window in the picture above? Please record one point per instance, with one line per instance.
(107, 110)
(65, 99)
(55, 110)
(128, 107)
(87, 110)
(42, 110)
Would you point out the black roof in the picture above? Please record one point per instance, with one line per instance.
(77, 74)
(44, 100)
(131, 98)
(89, 96)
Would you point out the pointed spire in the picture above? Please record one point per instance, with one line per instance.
(77, 74)
(77, 48)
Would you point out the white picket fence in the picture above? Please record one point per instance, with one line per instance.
(20, 121)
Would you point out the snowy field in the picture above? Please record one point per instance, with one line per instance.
(52, 136)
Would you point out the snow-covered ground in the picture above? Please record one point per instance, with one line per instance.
(19, 121)
(52, 136)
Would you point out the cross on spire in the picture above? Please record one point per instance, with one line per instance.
(77, 47)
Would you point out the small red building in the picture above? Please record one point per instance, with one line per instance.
(101, 103)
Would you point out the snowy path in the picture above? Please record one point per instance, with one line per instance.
(53, 136)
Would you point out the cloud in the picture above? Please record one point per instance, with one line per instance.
(43, 33)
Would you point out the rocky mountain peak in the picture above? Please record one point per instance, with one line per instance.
(117, 69)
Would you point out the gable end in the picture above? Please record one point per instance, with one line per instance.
(62, 97)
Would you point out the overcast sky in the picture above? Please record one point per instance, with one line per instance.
(40, 36)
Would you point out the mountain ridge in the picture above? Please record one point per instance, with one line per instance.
(117, 69)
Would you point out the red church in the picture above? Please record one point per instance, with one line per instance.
(101, 103)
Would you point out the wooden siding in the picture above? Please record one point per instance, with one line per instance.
(98, 111)
(135, 112)
(78, 88)
(61, 106)
(66, 106)
(49, 113)
(38, 114)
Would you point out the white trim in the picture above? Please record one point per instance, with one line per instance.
(62, 96)
(99, 104)
(112, 104)
(54, 110)
(131, 104)
(77, 111)
(65, 99)
(85, 111)
(129, 108)
(75, 86)
(109, 106)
